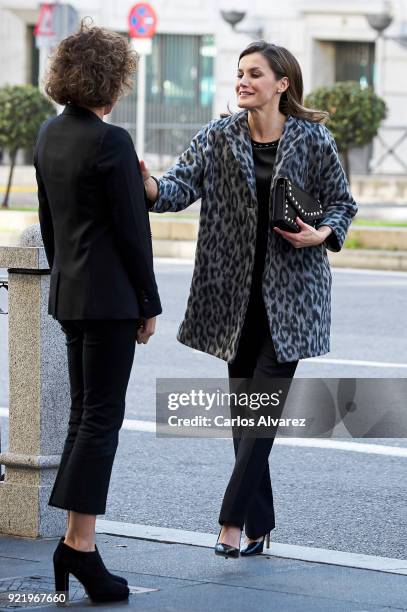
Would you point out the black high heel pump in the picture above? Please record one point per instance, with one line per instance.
(225, 550)
(89, 569)
(256, 548)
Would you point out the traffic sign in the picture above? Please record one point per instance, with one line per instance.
(55, 21)
(45, 22)
(142, 21)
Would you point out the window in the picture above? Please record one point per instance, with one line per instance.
(179, 92)
(354, 61)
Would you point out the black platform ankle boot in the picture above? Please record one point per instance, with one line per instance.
(89, 569)
(115, 576)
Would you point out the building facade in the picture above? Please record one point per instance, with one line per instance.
(191, 70)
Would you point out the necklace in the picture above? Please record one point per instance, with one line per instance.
(265, 145)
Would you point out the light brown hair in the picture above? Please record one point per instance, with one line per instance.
(283, 63)
(92, 68)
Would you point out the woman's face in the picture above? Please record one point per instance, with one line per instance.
(256, 83)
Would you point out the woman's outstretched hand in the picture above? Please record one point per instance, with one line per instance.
(308, 236)
(149, 183)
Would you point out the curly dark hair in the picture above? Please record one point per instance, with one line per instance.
(91, 68)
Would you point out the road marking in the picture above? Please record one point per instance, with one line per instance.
(369, 272)
(350, 362)
(322, 443)
(357, 362)
(173, 260)
(343, 445)
(286, 551)
(137, 425)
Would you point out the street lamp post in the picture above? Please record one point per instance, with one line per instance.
(380, 22)
(235, 17)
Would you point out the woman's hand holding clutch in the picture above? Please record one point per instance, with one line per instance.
(308, 236)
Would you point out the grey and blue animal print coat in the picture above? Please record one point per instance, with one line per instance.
(218, 167)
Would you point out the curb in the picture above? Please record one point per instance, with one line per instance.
(371, 259)
(285, 551)
(183, 249)
(176, 238)
(16, 221)
(368, 259)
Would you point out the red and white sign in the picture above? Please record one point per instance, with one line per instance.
(142, 21)
(45, 22)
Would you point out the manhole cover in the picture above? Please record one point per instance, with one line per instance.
(34, 592)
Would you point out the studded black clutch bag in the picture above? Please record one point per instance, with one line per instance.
(289, 202)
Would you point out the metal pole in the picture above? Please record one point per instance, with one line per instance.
(43, 58)
(381, 58)
(141, 105)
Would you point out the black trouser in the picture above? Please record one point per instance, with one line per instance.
(100, 357)
(248, 499)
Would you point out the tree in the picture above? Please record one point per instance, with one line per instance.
(355, 114)
(23, 108)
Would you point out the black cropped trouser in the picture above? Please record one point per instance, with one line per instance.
(248, 499)
(100, 358)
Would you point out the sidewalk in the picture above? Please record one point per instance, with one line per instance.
(378, 248)
(366, 188)
(178, 577)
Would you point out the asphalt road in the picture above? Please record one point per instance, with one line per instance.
(327, 498)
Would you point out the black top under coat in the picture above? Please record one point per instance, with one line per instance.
(264, 155)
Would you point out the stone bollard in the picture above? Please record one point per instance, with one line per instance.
(38, 395)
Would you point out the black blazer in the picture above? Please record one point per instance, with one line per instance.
(94, 221)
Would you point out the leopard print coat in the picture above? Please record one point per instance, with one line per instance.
(218, 168)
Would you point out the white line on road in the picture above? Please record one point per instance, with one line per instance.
(369, 272)
(351, 362)
(342, 445)
(322, 443)
(173, 260)
(357, 362)
(286, 551)
(137, 425)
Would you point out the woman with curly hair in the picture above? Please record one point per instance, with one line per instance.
(97, 239)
